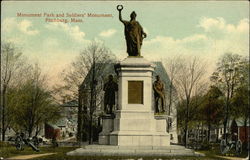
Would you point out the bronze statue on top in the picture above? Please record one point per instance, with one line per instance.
(134, 33)
(159, 95)
(110, 88)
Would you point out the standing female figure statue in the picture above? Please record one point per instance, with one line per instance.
(134, 33)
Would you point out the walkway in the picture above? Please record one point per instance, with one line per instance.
(30, 156)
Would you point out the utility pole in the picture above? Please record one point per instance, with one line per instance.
(248, 135)
(226, 118)
(80, 115)
(92, 101)
(1, 95)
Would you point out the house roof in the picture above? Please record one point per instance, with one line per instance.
(72, 103)
(240, 122)
(62, 122)
(52, 125)
(160, 70)
(102, 72)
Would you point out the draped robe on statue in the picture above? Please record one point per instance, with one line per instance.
(133, 34)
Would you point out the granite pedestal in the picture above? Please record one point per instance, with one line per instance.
(107, 127)
(134, 122)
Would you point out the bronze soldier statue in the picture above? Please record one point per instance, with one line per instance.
(109, 96)
(134, 33)
(159, 95)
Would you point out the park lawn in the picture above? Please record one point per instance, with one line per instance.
(7, 150)
(215, 151)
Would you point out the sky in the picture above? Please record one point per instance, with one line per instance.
(206, 29)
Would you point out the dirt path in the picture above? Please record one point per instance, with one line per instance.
(231, 158)
(30, 156)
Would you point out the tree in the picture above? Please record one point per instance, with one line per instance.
(212, 108)
(188, 83)
(194, 111)
(78, 70)
(173, 66)
(227, 78)
(32, 103)
(13, 68)
(84, 80)
(240, 100)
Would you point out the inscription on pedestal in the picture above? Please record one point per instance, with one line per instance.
(135, 92)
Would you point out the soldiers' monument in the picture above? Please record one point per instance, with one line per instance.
(133, 129)
(134, 123)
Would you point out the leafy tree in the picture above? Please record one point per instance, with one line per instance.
(212, 108)
(83, 80)
(189, 83)
(203, 109)
(240, 100)
(32, 104)
(13, 66)
(195, 113)
(227, 78)
(73, 76)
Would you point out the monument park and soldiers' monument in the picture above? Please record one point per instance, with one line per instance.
(138, 126)
(134, 123)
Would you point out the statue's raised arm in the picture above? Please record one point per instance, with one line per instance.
(134, 33)
(119, 8)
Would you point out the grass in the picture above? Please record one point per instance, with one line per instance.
(7, 151)
(215, 151)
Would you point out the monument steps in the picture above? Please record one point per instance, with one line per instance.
(144, 151)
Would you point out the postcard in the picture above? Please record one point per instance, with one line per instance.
(123, 79)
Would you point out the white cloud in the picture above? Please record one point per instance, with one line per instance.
(243, 25)
(25, 26)
(73, 31)
(194, 38)
(50, 43)
(233, 38)
(210, 23)
(217, 38)
(169, 42)
(9, 24)
(219, 23)
(107, 33)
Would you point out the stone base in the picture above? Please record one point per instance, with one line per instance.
(140, 129)
(133, 151)
(107, 127)
(173, 137)
(134, 123)
(139, 139)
